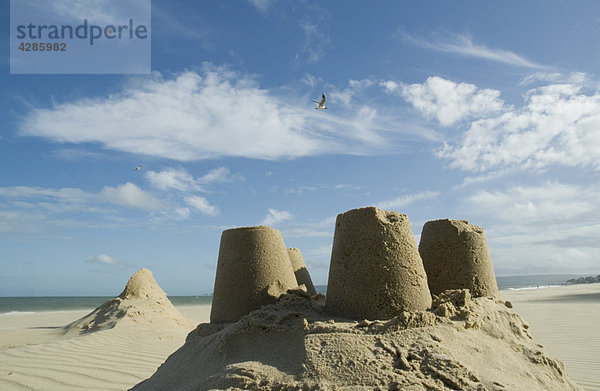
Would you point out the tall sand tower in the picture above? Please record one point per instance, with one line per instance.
(300, 270)
(456, 256)
(376, 271)
(253, 269)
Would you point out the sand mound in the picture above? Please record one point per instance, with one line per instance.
(142, 303)
(462, 343)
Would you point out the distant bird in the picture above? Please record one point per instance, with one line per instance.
(321, 104)
(138, 168)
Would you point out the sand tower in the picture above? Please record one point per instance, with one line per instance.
(253, 269)
(456, 256)
(300, 270)
(376, 271)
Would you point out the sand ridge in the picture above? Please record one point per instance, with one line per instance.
(462, 343)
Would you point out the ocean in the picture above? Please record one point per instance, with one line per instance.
(19, 305)
(31, 304)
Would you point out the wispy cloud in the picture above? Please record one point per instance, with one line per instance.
(48, 211)
(211, 114)
(173, 178)
(355, 87)
(323, 228)
(106, 260)
(202, 204)
(130, 195)
(182, 21)
(66, 199)
(274, 217)
(463, 45)
(261, 5)
(316, 41)
(556, 77)
(547, 227)
(220, 175)
(405, 200)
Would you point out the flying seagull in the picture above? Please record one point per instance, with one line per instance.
(321, 104)
(138, 168)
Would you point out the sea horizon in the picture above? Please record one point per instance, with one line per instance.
(34, 304)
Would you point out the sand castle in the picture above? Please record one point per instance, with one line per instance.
(410, 342)
(455, 256)
(253, 269)
(142, 304)
(295, 344)
(300, 270)
(376, 271)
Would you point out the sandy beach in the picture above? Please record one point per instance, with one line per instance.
(565, 320)
(34, 355)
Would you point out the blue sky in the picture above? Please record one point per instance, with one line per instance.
(486, 111)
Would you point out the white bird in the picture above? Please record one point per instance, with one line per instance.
(321, 104)
(138, 168)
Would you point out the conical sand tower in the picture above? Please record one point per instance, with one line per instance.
(300, 270)
(376, 271)
(253, 269)
(456, 256)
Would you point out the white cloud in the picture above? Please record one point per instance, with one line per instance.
(182, 213)
(202, 204)
(185, 185)
(451, 102)
(210, 114)
(546, 228)
(274, 217)
(463, 45)
(323, 228)
(354, 87)
(130, 195)
(390, 86)
(105, 260)
(310, 80)
(66, 199)
(172, 178)
(47, 211)
(550, 202)
(261, 5)
(220, 175)
(99, 11)
(317, 261)
(301, 189)
(316, 40)
(402, 201)
(555, 77)
(558, 125)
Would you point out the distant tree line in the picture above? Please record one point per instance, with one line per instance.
(584, 280)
